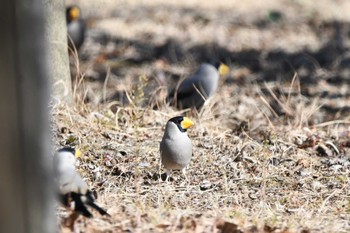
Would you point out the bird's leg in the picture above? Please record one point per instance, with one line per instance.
(168, 172)
(160, 171)
(183, 170)
(187, 181)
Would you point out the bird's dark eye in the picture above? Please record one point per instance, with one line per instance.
(217, 64)
(177, 120)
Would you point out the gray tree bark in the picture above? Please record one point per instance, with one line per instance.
(27, 193)
(58, 50)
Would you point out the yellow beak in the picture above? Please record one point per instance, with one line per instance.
(74, 13)
(186, 123)
(223, 69)
(77, 153)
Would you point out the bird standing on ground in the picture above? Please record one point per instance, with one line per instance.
(73, 191)
(176, 146)
(195, 90)
(75, 27)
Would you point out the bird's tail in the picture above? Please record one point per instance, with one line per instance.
(91, 202)
(79, 205)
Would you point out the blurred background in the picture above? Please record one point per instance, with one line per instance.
(263, 41)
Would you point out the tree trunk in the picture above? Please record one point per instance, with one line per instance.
(26, 201)
(58, 51)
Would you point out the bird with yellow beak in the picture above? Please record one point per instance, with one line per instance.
(75, 27)
(176, 146)
(195, 90)
(73, 191)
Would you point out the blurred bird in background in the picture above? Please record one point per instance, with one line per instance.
(195, 90)
(75, 27)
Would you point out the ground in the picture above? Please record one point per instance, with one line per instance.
(271, 148)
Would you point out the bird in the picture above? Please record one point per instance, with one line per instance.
(176, 146)
(75, 27)
(72, 190)
(196, 89)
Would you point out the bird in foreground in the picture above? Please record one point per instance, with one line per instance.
(195, 90)
(73, 190)
(75, 27)
(176, 146)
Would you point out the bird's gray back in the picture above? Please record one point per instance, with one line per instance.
(76, 32)
(199, 87)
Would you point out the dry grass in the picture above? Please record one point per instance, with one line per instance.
(253, 175)
(268, 156)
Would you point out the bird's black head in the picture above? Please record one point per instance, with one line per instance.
(67, 149)
(177, 120)
(76, 152)
(216, 63)
(221, 67)
(182, 123)
(72, 13)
